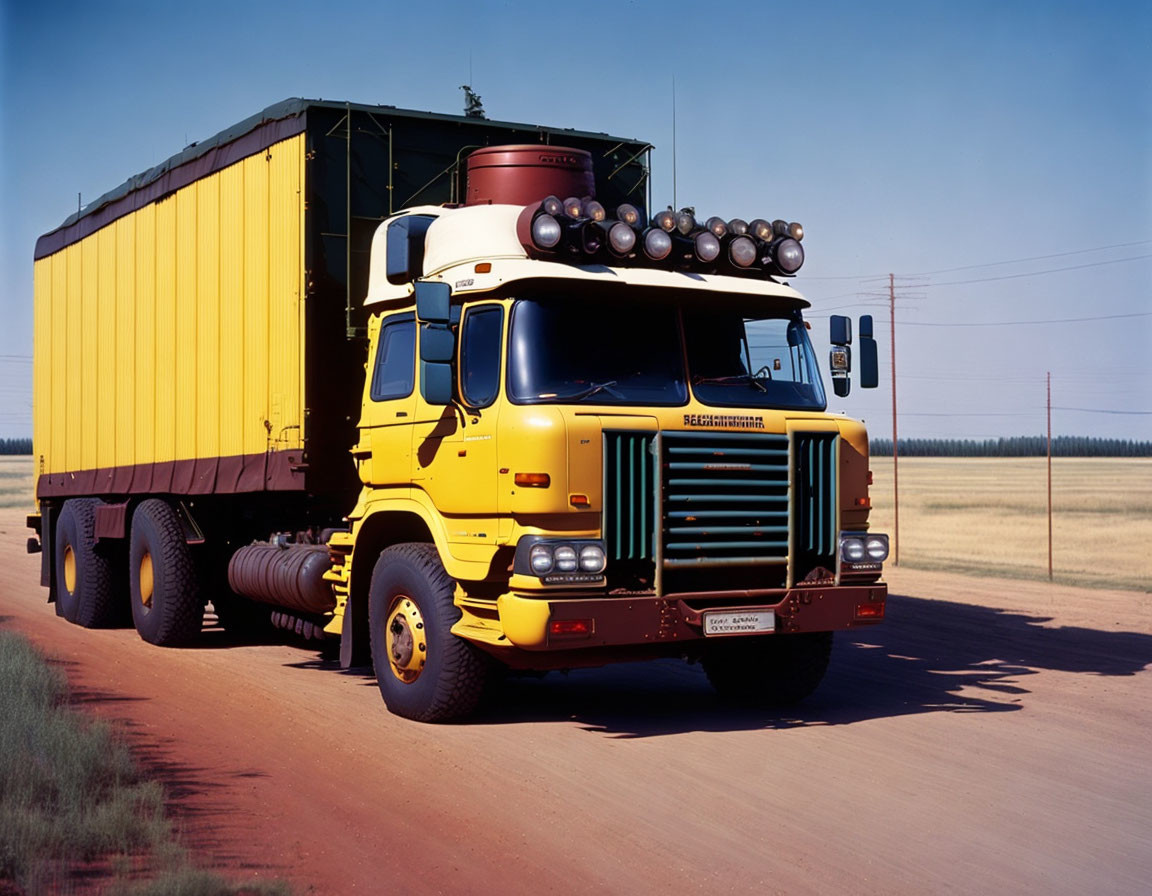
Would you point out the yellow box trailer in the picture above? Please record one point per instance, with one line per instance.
(437, 388)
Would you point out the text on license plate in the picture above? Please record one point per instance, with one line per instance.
(750, 622)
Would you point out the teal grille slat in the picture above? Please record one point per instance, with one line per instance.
(816, 495)
(714, 466)
(722, 530)
(734, 513)
(721, 499)
(629, 494)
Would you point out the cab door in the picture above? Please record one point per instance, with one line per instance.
(384, 453)
(455, 447)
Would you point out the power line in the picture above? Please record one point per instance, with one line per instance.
(992, 264)
(1016, 323)
(1103, 411)
(1075, 267)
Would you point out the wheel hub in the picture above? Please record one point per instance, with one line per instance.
(69, 569)
(147, 582)
(406, 640)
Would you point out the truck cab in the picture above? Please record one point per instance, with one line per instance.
(588, 437)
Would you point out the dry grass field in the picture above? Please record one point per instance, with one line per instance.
(972, 515)
(16, 482)
(989, 516)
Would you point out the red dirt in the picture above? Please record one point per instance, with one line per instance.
(991, 736)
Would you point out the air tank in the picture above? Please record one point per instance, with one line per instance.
(524, 174)
(291, 576)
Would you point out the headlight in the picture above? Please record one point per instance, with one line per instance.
(657, 244)
(590, 208)
(685, 222)
(718, 226)
(552, 206)
(796, 231)
(629, 214)
(761, 229)
(621, 238)
(545, 231)
(742, 252)
(738, 226)
(707, 246)
(852, 549)
(665, 220)
(877, 547)
(789, 256)
(565, 558)
(592, 558)
(540, 559)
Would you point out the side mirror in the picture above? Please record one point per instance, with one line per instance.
(869, 363)
(437, 344)
(840, 359)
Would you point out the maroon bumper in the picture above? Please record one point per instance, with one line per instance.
(647, 619)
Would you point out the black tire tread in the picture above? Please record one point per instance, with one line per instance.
(177, 603)
(96, 602)
(779, 670)
(464, 670)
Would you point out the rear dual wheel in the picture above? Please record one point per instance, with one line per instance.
(167, 603)
(89, 579)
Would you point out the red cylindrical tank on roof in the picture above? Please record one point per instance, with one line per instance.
(524, 174)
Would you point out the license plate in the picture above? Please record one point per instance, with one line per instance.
(747, 622)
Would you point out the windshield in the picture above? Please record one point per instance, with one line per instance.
(594, 351)
(738, 360)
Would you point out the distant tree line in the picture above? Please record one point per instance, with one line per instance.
(1016, 446)
(15, 446)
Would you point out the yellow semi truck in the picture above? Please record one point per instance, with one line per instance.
(440, 390)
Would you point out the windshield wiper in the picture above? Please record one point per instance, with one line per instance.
(591, 390)
(735, 378)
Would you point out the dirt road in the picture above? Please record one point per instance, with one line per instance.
(992, 736)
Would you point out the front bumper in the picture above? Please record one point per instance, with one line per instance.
(530, 623)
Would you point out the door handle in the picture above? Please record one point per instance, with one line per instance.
(361, 453)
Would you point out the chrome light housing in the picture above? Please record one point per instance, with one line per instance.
(561, 561)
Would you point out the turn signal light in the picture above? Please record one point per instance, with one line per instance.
(533, 480)
(579, 501)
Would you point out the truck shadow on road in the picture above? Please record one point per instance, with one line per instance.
(928, 656)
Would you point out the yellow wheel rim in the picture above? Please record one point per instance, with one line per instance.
(406, 640)
(69, 569)
(147, 583)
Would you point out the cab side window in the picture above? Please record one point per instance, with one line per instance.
(395, 373)
(480, 355)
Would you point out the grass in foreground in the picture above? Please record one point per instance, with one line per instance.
(72, 799)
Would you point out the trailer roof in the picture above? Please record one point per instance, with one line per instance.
(277, 122)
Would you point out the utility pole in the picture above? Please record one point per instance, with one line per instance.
(1049, 475)
(895, 443)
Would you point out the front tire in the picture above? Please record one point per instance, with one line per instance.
(424, 671)
(167, 606)
(86, 573)
(778, 670)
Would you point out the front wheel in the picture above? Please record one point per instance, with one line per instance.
(424, 671)
(777, 670)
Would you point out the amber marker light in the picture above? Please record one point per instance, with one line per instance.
(484, 267)
(533, 480)
(579, 501)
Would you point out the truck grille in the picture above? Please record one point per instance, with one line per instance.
(725, 498)
(737, 500)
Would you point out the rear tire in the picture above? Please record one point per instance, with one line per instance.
(424, 671)
(167, 605)
(87, 580)
(778, 670)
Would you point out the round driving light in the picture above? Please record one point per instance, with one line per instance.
(540, 559)
(552, 206)
(738, 226)
(590, 208)
(665, 220)
(718, 226)
(629, 214)
(657, 244)
(742, 252)
(796, 231)
(545, 231)
(789, 256)
(572, 207)
(761, 229)
(622, 238)
(852, 549)
(707, 246)
(780, 228)
(565, 558)
(685, 221)
(592, 558)
(877, 547)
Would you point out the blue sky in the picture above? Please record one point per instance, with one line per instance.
(913, 138)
